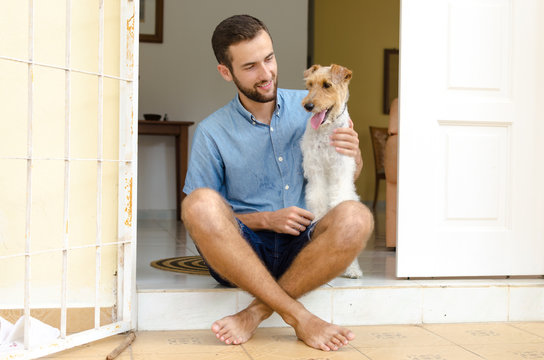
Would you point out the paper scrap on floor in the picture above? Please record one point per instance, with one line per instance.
(12, 335)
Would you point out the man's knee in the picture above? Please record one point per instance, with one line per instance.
(199, 204)
(354, 222)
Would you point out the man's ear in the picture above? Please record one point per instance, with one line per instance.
(224, 72)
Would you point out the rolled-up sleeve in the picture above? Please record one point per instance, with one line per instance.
(206, 168)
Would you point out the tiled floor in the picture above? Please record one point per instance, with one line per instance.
(492, 341)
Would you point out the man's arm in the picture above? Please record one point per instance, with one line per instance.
(346, 141)
(292, 220)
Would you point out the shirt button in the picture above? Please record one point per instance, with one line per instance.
(254, 123)
(280, 158)
(271, 129)
(286, 187)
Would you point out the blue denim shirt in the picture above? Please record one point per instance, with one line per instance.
(255, 166)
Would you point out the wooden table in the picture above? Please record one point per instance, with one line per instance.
(179, 129)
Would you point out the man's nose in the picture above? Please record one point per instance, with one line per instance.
(264, 72)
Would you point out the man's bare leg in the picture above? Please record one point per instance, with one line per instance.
(225, 249)
(333, 241)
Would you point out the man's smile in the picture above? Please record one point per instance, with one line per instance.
(267, 85)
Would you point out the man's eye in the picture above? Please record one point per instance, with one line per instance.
(326, 85)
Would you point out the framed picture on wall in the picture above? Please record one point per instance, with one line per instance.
(151, 20)
(390, 77)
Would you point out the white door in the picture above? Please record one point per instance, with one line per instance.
(471, 153)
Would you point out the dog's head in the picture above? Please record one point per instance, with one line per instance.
(328, 92)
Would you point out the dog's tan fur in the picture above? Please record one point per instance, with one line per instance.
(328, 88)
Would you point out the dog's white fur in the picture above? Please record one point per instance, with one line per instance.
(330, 175)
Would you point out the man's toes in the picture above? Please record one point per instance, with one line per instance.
(231, 339)
(324, 347)
(226, 337)
(337, 342)
(223, 334)
(345, 334)
(216, 327)
(340, 340)
(332, 346)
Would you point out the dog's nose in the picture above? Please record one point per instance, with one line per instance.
(309, 106)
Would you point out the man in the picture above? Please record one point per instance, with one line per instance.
(245, 196)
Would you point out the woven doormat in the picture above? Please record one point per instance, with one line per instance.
(183, 264)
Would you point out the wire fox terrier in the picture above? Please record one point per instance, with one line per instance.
(330, 175)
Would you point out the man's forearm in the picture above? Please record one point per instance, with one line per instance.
(291, 220)
(358, 166)
(255, 221)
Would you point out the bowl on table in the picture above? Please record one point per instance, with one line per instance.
(154, 117)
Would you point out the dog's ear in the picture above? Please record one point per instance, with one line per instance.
(340, 73)
(311, 70)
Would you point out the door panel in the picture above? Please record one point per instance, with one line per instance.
(468, 201)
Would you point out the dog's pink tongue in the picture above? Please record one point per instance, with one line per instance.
(317, 119)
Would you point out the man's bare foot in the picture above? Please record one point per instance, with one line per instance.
(322, 335)
(239, 328)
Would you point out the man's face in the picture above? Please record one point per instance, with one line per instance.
(254, 68)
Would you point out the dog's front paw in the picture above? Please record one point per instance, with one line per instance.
(353, 271)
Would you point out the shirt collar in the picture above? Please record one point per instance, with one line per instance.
(249, 116)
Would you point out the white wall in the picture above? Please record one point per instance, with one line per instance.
(179, 77)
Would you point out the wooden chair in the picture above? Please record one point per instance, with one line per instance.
(390, 164)
(378, 135)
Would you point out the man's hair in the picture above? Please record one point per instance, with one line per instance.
(231, 31)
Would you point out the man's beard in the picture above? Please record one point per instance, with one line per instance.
(254, 94)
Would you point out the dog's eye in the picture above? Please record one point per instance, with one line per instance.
(326, 85)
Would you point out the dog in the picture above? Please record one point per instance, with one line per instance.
(329, 175)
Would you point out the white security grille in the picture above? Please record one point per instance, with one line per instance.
(68, 237)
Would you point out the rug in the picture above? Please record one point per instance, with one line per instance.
(183, 264)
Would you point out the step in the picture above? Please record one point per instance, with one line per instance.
(367, 301)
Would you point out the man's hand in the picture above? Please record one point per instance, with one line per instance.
(346, 142)
(292, 220)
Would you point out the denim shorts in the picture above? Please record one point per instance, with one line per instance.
(276, 251)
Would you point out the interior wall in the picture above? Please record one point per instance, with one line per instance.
(354, 34)
(179, 77)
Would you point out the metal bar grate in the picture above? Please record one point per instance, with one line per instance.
(67, 118)
(28, 237)
(76, 71)
(99, 163)
(67, 245)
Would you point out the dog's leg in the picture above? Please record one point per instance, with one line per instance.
(316, 196)
(344, 190)
(353, 271)
(342, 177)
